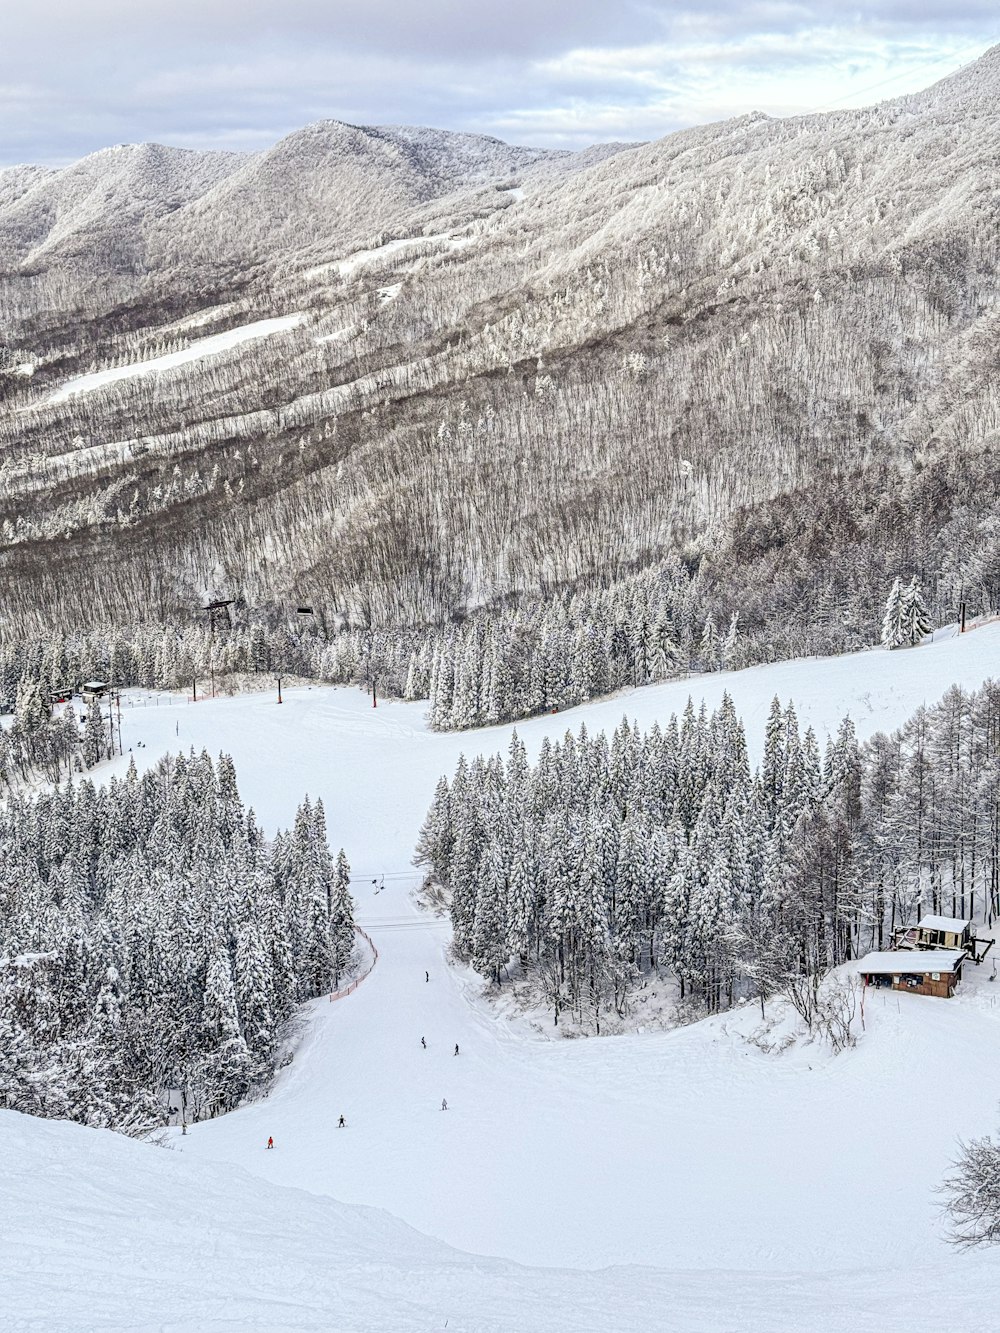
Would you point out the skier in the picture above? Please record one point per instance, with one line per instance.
(427, 976)
(423, 1042)
(341, 1123)
(456, 1047)
(444, 1104)
(270, 1141)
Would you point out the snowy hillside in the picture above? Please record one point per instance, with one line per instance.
(104, 1235)
(759, 1190)
(106, 201)
(763, 343)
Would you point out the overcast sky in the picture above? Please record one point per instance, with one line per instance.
(77, 75)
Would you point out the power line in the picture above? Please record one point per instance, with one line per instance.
(974, 51)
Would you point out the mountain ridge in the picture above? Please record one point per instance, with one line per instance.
(514, 370)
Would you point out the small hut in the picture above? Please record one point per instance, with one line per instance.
(943, 932)
(93, 690)
(925, 971)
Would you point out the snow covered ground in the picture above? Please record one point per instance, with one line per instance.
(758, 1191)
(418, 246)
(104, 1234)
(211, 346)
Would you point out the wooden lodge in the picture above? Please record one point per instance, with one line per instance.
(924, 971)
(93, 690)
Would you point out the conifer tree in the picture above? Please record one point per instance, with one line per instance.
(913, 618)
(893, 628)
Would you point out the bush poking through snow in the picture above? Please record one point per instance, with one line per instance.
(972, 1195)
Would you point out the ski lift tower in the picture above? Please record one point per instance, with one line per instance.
(218, 610)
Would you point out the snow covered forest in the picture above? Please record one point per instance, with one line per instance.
(663, 853)
(434, 382)
(154, 945)
(538, 656)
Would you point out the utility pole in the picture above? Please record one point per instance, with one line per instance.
(279, 689)
(194, 689)
(961, 617)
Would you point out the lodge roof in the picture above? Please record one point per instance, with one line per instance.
(920, 961)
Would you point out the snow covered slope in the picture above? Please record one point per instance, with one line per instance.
(202, 347)
(759, 1191)
(104, 204)
(104, 1234)
(651, 339)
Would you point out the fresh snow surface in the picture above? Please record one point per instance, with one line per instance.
(105, 1234)
(770, 1191)
(336, 336)
(212, 346)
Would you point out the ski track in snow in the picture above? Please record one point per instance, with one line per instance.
(421, 245)
(211, 346)
(767, 1192)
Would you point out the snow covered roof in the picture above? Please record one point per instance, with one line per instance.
(919, 961)
(953, 923)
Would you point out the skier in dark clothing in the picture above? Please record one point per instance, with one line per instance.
(341, 1123)
(423, 1043)
(427, 976)
(456, 1047)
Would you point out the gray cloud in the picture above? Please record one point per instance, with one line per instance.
(240, 73)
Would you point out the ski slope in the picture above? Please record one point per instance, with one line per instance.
(202, 347)
(376, 769)
(755, 1191)
(104, 1235)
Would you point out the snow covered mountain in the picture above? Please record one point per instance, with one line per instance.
(143, 208)
(514, 370)
(96, 213)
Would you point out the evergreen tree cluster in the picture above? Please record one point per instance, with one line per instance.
(535, 655)
(522, 661)
(664, 853)
(154, 945)
(500, 664)
(905, 621)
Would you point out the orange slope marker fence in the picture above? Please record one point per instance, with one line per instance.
(348, 990)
